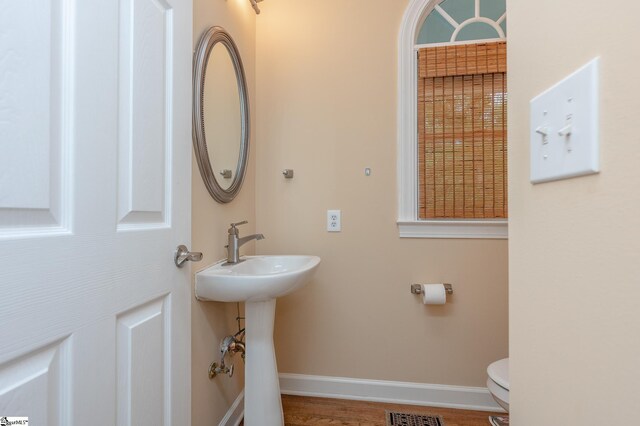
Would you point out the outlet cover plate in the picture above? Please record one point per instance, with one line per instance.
(334, 221)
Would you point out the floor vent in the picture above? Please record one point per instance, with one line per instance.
(407, 419)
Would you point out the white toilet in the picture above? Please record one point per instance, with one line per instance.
(498, 384)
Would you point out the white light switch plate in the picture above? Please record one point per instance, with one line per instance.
(564, 127)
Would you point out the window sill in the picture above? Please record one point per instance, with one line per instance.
(478, 229)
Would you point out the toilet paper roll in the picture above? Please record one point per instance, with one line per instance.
(434, 294)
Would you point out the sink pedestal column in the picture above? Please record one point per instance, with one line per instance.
(262, 403)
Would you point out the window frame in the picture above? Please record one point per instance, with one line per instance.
(409, 226)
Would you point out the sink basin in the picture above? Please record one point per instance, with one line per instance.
(258, 281)
(256, 278)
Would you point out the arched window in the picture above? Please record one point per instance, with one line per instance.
(452, 120)
(453, 21)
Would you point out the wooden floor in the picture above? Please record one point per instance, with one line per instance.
(303, 411)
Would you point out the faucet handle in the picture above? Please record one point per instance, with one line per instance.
(233, 230)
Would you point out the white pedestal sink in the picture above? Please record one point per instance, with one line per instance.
(258, 281)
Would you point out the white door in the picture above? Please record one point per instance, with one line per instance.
(95, 181)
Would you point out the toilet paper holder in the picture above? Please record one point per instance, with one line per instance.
(417, 288)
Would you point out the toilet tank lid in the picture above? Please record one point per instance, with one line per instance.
(499, 372)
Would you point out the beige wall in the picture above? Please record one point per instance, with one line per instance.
(326, 107)
(574, 247)
(212, 321)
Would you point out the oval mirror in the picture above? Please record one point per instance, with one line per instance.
(220, 114)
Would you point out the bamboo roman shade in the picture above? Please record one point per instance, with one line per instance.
(462, 131)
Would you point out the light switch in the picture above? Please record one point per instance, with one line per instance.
(564, 127)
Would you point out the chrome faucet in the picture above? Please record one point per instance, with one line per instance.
(234, 244)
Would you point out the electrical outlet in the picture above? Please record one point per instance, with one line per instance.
(333, 221)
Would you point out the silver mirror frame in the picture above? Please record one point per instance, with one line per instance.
(209, 39)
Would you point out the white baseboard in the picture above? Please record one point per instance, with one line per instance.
(235, 414)
(460, 397)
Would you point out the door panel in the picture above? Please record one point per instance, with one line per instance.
(38, 382)
(142, 366)
(33, 103)
(95, 157)
(145, 113)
